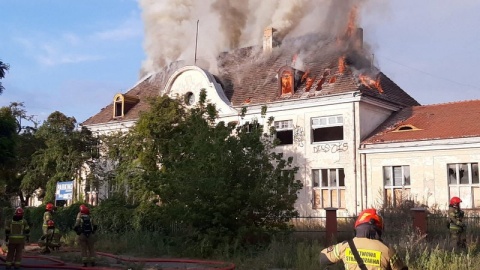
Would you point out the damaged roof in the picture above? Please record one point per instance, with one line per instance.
(429, 122)
(250, 76)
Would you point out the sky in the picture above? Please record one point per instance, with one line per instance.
(74, 56)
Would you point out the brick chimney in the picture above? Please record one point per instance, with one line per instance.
(269, 40)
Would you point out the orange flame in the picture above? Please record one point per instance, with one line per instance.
(305, 75)
(309, 83)
(370, 83)
(341, 65)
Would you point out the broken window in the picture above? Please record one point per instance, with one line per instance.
(327, 128)
(463, 181)
(284, 132)
(328, 188)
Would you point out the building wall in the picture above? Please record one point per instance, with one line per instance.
(428, 173)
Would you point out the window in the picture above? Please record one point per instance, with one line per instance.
(327, 128)
(396, 180)
(463, 182)
(118, 106)
(328, 188)
(284, 132)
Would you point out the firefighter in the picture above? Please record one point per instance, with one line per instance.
(16, 233)
(47, 215)
(365, 251)
(455, 223)
(85, 229)
(50, 240)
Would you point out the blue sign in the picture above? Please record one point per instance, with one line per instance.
(64, 191)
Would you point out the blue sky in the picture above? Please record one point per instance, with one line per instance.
(74, 56)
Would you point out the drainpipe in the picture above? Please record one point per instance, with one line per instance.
(355, 153)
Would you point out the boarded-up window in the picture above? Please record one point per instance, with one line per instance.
(328, 188)
(396, 181)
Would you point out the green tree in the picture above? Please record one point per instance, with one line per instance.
(3, 70)
(225, 181)
(25, 145)
(66, 150)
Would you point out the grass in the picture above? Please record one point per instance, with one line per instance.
(300, 250)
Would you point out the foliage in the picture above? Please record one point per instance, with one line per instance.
(223, 181)
(8, 127)
(3, 69)
(66, 150)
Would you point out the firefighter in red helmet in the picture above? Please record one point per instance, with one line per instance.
(50, 240)
(16, 233)
(365, 251)
(455, 223)
(47, 215)
(85, 229)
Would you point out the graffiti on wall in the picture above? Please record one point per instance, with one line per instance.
(330, 147)
(299, 135)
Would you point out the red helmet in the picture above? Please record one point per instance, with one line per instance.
(84, 209)
(50, 223)
(370, 215)
(455, 201)
(19, 212)
(49, 207)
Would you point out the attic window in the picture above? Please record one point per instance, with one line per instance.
(405, 128)
(122, 104)
(286, 75)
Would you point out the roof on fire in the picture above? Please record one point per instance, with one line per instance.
(250, 76)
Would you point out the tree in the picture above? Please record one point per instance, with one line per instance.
(66, 150)
(25, 145)
(3, 70)
(224, 181)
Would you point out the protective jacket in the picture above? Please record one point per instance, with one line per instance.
(374, 253)
(47, 215)
(16, 230)
(455, 216)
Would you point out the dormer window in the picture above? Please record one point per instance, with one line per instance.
(122, 104)
(286, 78)
(406, 128)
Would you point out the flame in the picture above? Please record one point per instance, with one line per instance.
(309, 83)
(320, 83)
(305, 75)
(294, 59)
(371, 83)
(341, 65)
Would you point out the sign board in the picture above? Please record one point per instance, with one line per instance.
(64, 191)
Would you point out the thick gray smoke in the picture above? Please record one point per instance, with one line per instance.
(171, 25)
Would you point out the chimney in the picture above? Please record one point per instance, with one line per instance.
(358, 41)
(269, 41)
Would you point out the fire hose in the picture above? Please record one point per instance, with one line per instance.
(47, 262)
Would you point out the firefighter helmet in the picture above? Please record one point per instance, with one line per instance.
(19, 212)
(455, 201)
(84, 209)
(49, 207)
(50, 223)
(370, 216)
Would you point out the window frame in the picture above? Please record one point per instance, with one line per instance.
(284, 129)
(392, 187)
(319, 187)
(472, 176)
(328, 122)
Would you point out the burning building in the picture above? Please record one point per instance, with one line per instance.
(328, 101)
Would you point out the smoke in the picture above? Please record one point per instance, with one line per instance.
(223, 25)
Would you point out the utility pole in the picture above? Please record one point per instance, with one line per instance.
(196, 42)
